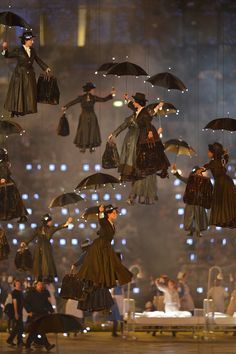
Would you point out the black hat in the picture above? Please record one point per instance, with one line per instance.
(109, 208)
(27, 35)
(89, 86)
(46, 218)
(139, 96)
(195, 168)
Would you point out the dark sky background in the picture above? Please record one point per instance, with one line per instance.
(197, 40)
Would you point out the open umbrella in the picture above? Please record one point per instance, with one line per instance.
(11, 19)
(9, 127)
(167, 108)
(97, 180)
(126, 68)
(91, 213)
(168, 81)
(105, 67)
(222, 124)
(179, 147)
(56, 323)
(65, 199)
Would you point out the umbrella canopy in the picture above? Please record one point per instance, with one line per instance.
(96, 181)
(179, 147)
(126, 68)
(106, 66)
(8, 127)
(91, 214)
(65, 199)
(222, 124)
(56, 323)
(11, 19)
(167, 108)
(168, 81)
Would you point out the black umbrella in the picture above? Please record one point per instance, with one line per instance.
(167, 108)
(168, 81)
(65, 199)
(126, 68)
(105, 67)
(9, 127)
(11, 19)
(96, 181)
(91, 213)
(179, 147)
(56, 323)
(222, 124)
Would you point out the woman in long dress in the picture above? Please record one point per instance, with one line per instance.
(44, 267)
(223, 206)
(102, 268)
(21, 97)
(11, 204)
(88, 132)
(195, 216)
(144, 183)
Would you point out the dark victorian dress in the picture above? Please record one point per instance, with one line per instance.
(22, 92)
(101, 269)
(145, 189)
(88, 132)
(44, 267)
(223, 207)
(195, 216)
(11, 204)
(150, 156)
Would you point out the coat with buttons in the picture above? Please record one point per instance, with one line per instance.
(21, 97)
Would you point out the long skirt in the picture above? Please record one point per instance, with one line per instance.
(88, 132)
(11, 204)
(195, 218)
(145, 190)
(223, 207)
(21, 97)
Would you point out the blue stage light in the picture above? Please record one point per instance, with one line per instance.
(112, 242)
(77, 211)
(106, 196)
(64, 211)
(21, 227)
(118, 196)
(123, 241)
(24, 196)
(181, 226)
(180, 211)
(200, 290)
(176, 182)
(189, 241)
(93, 225)
(62, 242)
(63, 167)
(36, 196)
(192, 257)
(52, 167)
(14, 241)
(70, 226)
(28, 167)
(74, 241)
(224, 241)
(94, 196)
(9, 226)
(81, 226)
(85, 167)
(136, 290)
(33, 225)
(51, 241)
(178, 196)
(39, 167)
(97, 167)
(123, 211)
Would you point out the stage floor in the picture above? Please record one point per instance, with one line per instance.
(103, 343)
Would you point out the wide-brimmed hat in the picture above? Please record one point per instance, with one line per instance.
(109, 208)
(89, 86)
(46, 218)
(139, 96)
(27, 35)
